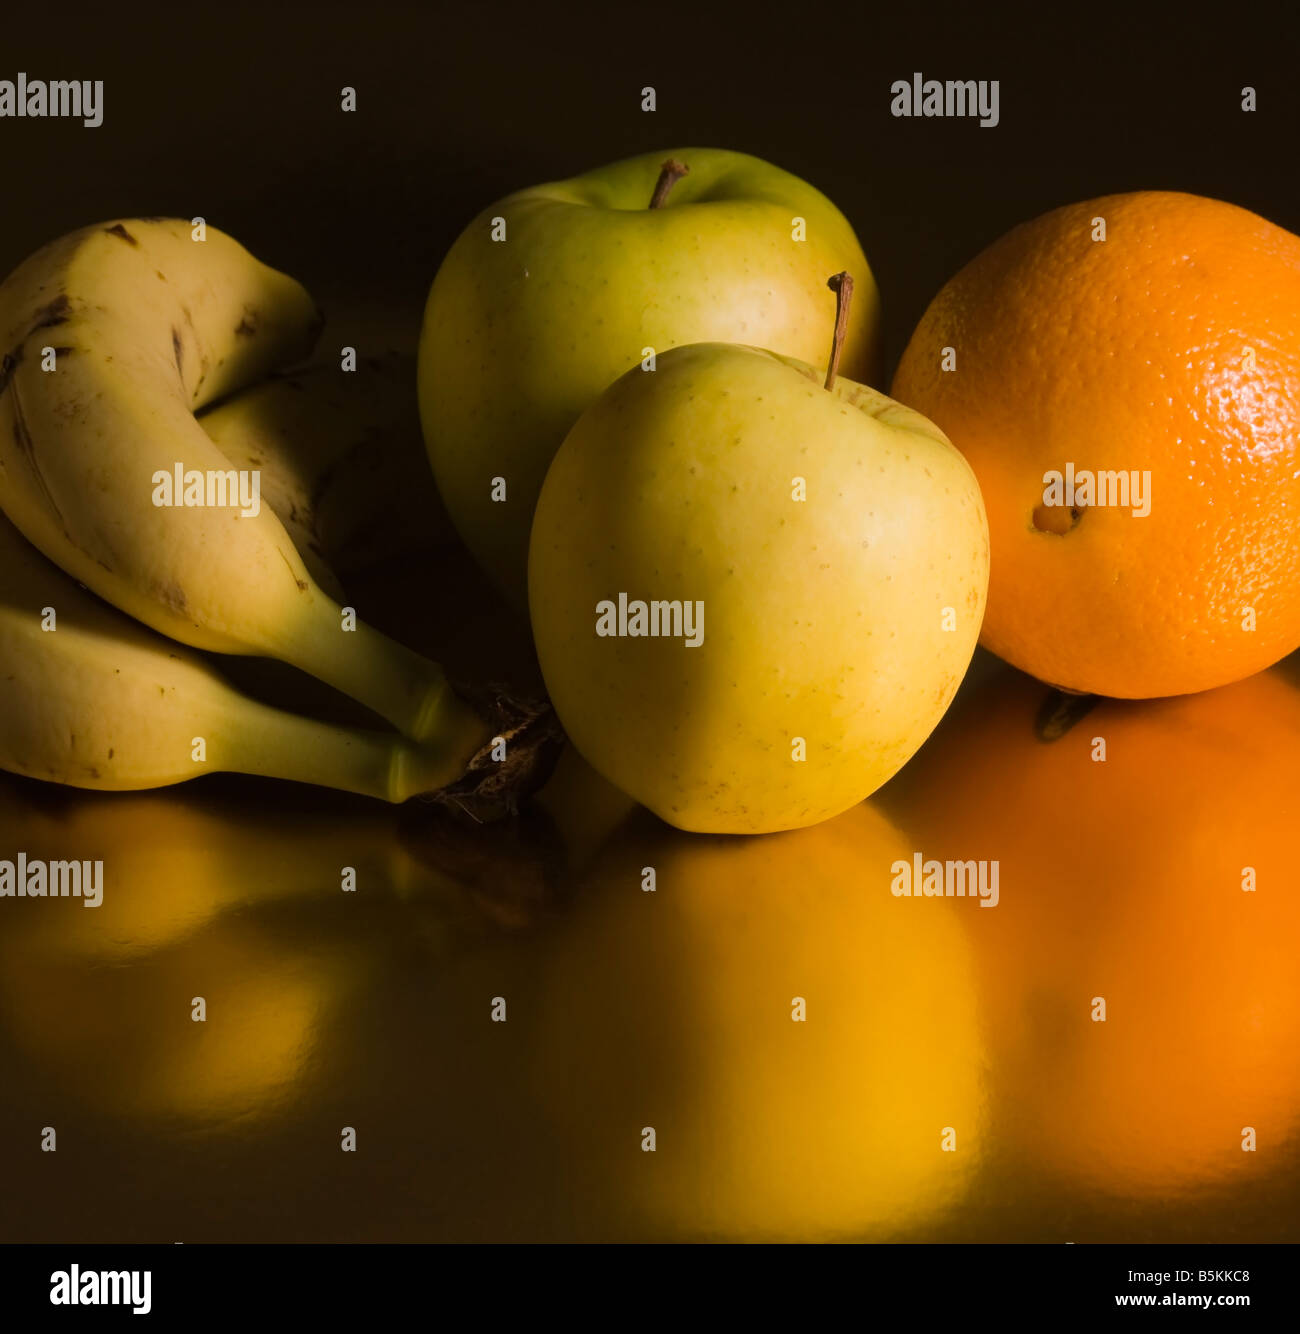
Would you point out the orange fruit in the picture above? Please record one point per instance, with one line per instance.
(1169, 349)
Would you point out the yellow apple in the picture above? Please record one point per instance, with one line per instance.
(753, 597)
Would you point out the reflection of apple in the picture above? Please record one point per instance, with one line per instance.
(552, 293)
(833, 542)
(673, 1010)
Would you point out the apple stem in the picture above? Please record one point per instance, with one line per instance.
(842, 285)
(669, 174)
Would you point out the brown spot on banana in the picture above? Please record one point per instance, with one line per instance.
(247, 326)
(178, 351)
(173, 597)
(51, 314)
(27, 448)
(302, 583)
(121, 232)
(8, 365)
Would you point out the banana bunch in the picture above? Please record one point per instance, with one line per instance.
(90, 698)
(114, 339)
(342, 463)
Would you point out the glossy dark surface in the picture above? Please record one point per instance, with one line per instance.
(928, 1020)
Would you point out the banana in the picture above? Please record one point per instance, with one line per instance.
(113, 337)
(98, 701)
(251, 430)
(342, 462)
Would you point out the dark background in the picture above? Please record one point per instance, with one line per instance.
(232, 111)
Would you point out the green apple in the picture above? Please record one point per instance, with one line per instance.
(753, 597)
(551, 294)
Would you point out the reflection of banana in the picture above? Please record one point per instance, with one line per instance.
(673, 1009)
(204, 897)
(124, 1041)
(342, 462)
(145, 325)
(101, 702)
(175, 862)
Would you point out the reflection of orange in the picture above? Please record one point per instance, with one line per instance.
(672, 1009)
(1123, 879)
(1170, 346)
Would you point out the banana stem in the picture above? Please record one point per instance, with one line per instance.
(408, 690)
(449, 749)
(275, 744)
